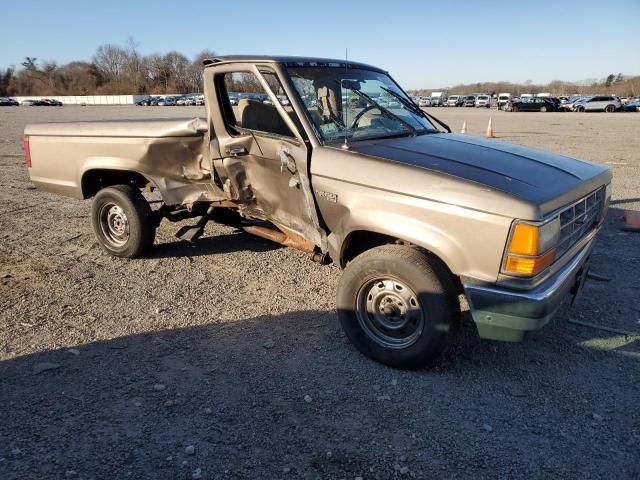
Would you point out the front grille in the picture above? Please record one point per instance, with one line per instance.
(579, 219)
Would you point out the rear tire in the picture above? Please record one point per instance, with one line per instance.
(398, 305)
(543, 109)
(580, 109)
(123, 222)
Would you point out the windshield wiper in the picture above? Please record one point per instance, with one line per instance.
(416, 109)
(411, 128)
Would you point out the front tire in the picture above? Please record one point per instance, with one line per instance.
(543, 109)
(610, 109)
(398, 305)
(123, 221)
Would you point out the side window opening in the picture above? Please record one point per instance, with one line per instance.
(249, 106)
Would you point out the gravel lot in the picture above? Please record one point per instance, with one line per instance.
(226, 360)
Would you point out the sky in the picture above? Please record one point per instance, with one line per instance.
(421, 43)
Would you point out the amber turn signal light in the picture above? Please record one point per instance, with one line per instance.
(524, 240)
(529, 266)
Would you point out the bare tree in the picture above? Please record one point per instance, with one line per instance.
(111, 61)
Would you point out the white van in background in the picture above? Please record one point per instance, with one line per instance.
(483, 101)
(438, 99)
(503, 99)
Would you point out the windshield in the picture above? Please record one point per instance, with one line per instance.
(356, 103)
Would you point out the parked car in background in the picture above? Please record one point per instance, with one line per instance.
(50, 102)
(483, 101)
(600, 104)
(424, 102)
(455, 101)
(438, 99)
(632, 106)
(531, 104)
(145, 102)
(470, 101)
(503, 99)
(8, 102)
(570, 104)
(30, 103)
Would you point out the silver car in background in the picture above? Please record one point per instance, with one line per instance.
(607, 104)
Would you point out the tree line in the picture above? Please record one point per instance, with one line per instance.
(611, 85)
(116, 69)
(113, 70)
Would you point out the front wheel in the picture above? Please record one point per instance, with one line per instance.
(543, 109)
(123, 222)
(514, 109)
(610, 109)
(397, 305)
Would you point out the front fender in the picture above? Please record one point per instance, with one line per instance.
(470, 242)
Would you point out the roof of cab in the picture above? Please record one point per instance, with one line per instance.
(288, 61)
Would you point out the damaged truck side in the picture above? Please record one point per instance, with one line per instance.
(334, 159)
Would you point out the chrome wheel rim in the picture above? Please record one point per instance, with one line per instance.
(114, 224)
(389, 313)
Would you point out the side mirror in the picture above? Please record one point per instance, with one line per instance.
(350, 83)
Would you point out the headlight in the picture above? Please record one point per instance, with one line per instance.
(532, 247)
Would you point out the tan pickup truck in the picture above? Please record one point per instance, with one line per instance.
(334, 159)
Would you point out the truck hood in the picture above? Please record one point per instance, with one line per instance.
(545, 179)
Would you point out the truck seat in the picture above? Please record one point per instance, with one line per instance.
(260, 116)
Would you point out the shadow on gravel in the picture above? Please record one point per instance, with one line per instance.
(233, 242)
(286, 394)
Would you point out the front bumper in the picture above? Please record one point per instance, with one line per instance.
(507, 314)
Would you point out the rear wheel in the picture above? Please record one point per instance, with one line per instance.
(543, 108)
(123, 222)
(580, 109)
(397, 305)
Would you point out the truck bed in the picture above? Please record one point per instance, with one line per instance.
(170, 152)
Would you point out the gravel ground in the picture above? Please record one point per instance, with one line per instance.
(225, 360)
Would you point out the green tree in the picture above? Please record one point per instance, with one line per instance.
(610, 80)
(30, 63)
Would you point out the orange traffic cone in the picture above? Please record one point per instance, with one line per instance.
(631, 220)
(489, 133)
(464, 128)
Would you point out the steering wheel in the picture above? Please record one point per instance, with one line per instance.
(360, 114)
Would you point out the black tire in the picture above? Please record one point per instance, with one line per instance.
(123, 222)
(405, 279)
(580, 109)
(610, 108)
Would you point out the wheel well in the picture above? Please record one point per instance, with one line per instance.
(360, 241)
(95, 180)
